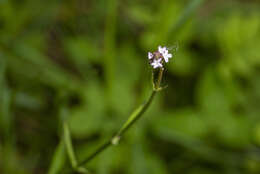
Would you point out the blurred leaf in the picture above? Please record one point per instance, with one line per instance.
(36, 65)
(183, 63)
(186, 122)
(217, 105)
(186, 14)
(87, 119)
(82, 51)
(238, 40)
(140, 14)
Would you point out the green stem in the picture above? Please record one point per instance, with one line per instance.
(157, 86)
(93, 155)
(58, 159)
(68, 145)
(136, 115)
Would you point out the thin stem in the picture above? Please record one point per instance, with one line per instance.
(93, 155)
(186, 14)
(136, 115)
(58, 159)
(157, 86)
(68, 145)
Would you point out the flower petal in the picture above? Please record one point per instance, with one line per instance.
(162, 49)
(150, 55)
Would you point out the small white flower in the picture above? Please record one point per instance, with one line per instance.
(166, 56)
(150, 55)
(158, 58)
(162, 49)
(156, 63)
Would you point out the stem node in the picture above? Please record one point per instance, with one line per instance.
(115, 140)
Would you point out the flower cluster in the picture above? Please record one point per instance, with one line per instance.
(159, 57)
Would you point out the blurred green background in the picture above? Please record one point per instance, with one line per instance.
(86, 61)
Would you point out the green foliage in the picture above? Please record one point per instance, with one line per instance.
(89, 58)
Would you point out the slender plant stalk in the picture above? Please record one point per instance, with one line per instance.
(58, 159)
(136, 115)
(68, 145)
(186, 14)
(70, 152)
(110, 45)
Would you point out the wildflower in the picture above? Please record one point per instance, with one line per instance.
(166, 56)
(159, 57)
(150, 55)
(162, 49)
(157, 63)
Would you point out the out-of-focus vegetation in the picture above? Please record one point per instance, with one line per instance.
(86, 61)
